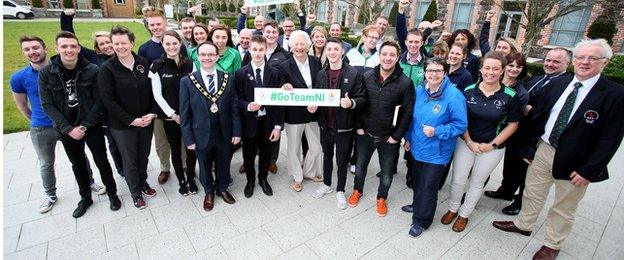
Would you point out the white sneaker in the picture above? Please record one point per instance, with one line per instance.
(99, 190)
(321, 191)
(46, 204)
(352, 169)
(342, 201)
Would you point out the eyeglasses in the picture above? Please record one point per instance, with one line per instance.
(373, 37)
(588, 58)
(207, 54)
(434, 71)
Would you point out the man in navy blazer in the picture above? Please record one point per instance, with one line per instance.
(579, 127)
(210, 122)
(262, 125)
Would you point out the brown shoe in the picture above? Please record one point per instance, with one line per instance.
(273, 168)
(509, 226)
(460, 224)
(448, 217)
(227, 197)
(241, 169)
(546, 253)
(163, 177)
(208, 202)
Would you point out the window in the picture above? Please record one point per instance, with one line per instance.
(462, 15)
(120, 2)
(82, 4)
(54, 4)
(341, 12)
(8, 4)
(569, 29)
(320, 12)
(421, 9)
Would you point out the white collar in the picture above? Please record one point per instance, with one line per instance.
(588, 83)
(254, 67)
(302, 64)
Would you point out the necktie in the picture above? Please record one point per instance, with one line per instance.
(539, 85)
(211, 85)
(258, 78)
(564, 116)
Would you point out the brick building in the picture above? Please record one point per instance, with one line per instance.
(564, 31)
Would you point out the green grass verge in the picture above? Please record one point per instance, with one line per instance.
(13, 59)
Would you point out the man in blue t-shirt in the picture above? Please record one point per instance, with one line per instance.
(24, 84)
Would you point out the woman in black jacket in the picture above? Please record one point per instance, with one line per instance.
(127, 95)
(166, 73)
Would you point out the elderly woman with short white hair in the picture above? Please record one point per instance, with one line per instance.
(300, 71)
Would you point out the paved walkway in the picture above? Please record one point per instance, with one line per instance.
(288, 225)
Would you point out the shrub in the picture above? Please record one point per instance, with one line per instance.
(68, 4)
(223, 7)
(615, 66)
(95, 4)
(603, 28)
(232, 8)
(432, 12)
(393, 14)
(37, 3)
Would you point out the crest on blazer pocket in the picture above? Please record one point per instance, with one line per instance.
(590, 116)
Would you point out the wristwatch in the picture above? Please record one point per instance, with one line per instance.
(494, 145)
(82, 128)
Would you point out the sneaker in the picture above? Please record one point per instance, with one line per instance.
(342, 201)
(352, 169)
(99, 190)
(192, 187)
(382, 209)
(46, 204)
(139, 203)
(321, 191)
(148, 191)
(415, 231)
(183, 190)
(354, 198)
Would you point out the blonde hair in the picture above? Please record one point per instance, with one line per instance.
(97, 34)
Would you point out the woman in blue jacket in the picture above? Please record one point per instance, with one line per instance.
(439, 118)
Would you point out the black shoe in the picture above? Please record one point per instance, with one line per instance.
(192, 187)
(513, 209)
(378, 174)
(266, 188)
(183, 190)
(498, 195)
(407, 208)
(249, 189)
(83, 205)
(115, 203)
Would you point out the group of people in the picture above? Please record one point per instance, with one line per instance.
(194, 92)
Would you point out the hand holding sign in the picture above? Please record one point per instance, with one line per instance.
(345, 102)
(312, 109)
(287, 87)
(253, 107)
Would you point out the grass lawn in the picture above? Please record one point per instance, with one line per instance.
(14, 60)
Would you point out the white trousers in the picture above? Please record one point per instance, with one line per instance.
(482, 165)
(313, 161)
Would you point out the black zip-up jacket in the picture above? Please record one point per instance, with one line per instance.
(54, 99)
(350, 81)
(170, 74)
(383, 97)
(126, 94)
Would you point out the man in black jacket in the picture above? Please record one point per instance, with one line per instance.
(383, 122)
(337, 123)
(261, 125)
(68, 96)
(514, 169)
(577, 129)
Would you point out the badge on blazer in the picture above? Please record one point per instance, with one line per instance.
(499, 104)
(250, 77)
(346, 81)
(591, 116)
(140, 68)
(436, 108)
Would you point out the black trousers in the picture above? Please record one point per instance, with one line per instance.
(514, 174)
(75, 150)
(218, 151)
(261, 146)
(388, 156)
(134, 145)
(425, 183)
(174, 137)
(114, 151)
(343, 142)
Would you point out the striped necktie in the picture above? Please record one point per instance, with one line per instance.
(564, 116)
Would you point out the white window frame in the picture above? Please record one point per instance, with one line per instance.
(456, 24)
(561, 36)
(421, 10)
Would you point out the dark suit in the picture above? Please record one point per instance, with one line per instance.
(290, 74)
(586, 145)
(210, 132)
(278, 56)
(256, 130)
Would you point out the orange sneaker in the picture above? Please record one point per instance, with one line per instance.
(354, 198)
(382, 209)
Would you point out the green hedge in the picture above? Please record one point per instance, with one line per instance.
(611, 73)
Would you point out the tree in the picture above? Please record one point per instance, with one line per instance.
(223, 7)
(95, 4)
(432, 12)
(393, 14)
(602, 28)
(369, 9)
(37, 3)
(68, 4)
(232, 8)
(537, 15)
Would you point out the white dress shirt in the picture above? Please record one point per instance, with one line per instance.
(242, 51)
(262, 111)
(205, 74)
(588, 84)
(285, 43)
(304, 69)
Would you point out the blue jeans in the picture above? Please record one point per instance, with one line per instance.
(388, 156)
(425, 183)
